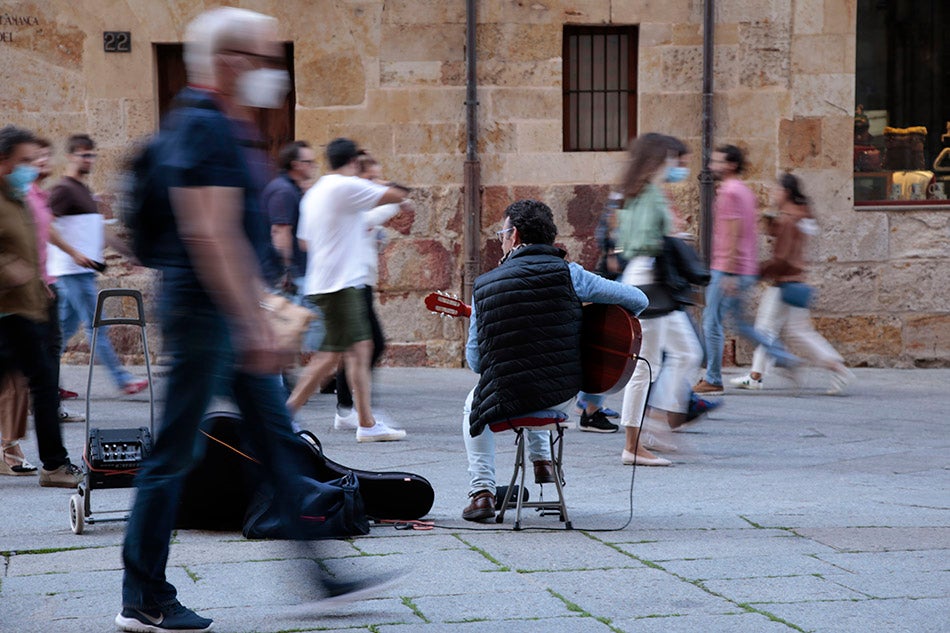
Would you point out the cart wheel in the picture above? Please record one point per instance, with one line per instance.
(76, 514)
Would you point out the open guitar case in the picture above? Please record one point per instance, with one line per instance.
(219, 489)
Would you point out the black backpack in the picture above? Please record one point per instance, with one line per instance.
(143, 205)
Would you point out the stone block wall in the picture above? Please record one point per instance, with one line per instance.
(391, 74)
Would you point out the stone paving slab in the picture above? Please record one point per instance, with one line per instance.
(647, 593)
(730, 623)
(771, 589)
(886, 616)
(883, 583)
(713, 544)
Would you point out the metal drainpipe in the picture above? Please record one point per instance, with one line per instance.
(471, 189)
(707, 185)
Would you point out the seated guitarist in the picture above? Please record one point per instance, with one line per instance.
(525, 342)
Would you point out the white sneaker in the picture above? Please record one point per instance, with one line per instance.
(66, 416)
(379, 432)
(746, 382)
(345, 421)
(656, 443)
(839, 382)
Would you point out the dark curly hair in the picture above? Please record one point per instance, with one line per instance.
(534, 221)
(290, 153)
(12, 136)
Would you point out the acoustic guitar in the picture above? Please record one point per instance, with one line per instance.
(610, 341)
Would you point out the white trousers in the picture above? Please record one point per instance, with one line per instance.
(671, 348)
(775, 318)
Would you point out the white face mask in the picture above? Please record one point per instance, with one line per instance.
(263, 88)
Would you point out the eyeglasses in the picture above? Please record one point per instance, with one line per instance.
(501, 234)
(86, 155)
(270, 60)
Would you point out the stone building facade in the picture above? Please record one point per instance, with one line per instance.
(392, 74)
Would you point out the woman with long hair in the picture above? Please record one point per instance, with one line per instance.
(642, 223)
(790, 225)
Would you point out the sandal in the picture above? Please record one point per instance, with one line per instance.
(22, 468)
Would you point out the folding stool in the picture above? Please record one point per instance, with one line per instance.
(556, 426)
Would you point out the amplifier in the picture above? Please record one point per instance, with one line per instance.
(114, 455)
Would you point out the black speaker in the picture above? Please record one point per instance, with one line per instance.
(114, 456)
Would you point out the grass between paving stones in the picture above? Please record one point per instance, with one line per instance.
(487, 556)
(576, 608)
(194, 577)
(407, 601)
(48, 550)
(699, 583)
(759, 526)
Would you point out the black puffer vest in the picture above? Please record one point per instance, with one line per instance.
(528, 320)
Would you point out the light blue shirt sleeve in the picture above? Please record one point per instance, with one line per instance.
(471, 346)
(592, 288)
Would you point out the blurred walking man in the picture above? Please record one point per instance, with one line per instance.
(216, 333)
(332, 226)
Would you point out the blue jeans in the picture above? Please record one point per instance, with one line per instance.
(719, 308)
(481, 450)
(77, 304)
(317, 330)
(202, 363)
(596, 399)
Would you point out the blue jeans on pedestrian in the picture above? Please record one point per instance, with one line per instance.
(721, 307)
(481, 450)
(198, 342)
(77, 304)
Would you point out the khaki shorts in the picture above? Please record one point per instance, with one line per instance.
(346, 319)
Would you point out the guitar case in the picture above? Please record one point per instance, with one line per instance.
(218, 491)
(386, 495)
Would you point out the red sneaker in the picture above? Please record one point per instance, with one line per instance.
(66, 394)
(135, 386)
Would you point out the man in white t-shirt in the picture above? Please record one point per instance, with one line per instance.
(331, 230)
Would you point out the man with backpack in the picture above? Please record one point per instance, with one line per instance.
(215, 331)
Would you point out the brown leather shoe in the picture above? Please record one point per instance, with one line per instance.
(543, 472)
(704, 388)
(481, 508)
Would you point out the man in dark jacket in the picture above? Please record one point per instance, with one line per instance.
(24, 305)
(525, 342)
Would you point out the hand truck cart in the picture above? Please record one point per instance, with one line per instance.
(111, 457)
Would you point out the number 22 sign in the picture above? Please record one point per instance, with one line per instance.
(117, 41)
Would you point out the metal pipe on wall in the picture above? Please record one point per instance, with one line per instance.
(707, 184)
(471, 188)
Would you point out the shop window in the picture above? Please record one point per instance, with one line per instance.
(277, 125)
(902, 114)
(600, 87)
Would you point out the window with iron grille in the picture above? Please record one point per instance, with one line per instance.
(600, 87)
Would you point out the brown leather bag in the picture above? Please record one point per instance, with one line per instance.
(289, 320)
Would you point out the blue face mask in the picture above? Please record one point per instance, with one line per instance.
(21, 178)
(675, 173)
